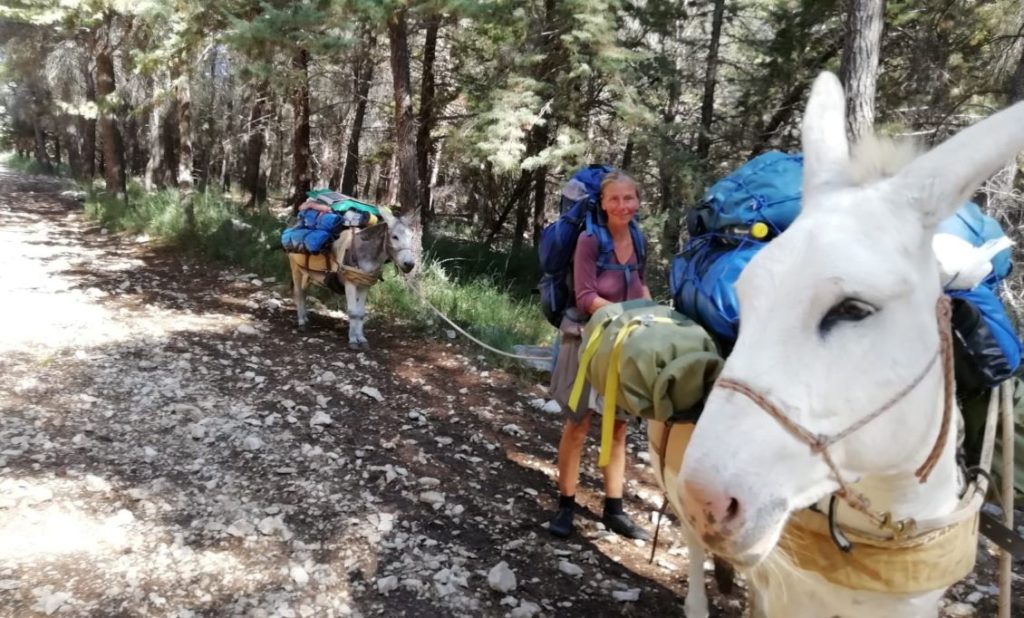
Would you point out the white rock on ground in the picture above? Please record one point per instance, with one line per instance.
(569, 568)
(501, 578)
(626, 596)
(386, 584)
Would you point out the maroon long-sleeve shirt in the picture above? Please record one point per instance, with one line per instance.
(608, 284)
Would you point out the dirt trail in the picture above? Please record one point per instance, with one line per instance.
(170, 445)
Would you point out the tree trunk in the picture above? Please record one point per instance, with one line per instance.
(369, 181)
(88, 125)
(41, 155)
(523, 212)
(227, 155)
(73, 147)
(206, 137)
(859, 69)
(113, 147)
(405, 129)
(362, 76)
(56, 146)
(517, 196)
(424, 145)
(134, 153)
(707, 106)
(540, 196)
(300, 137)
(254, 145)
(155, 178)
(185, 161)
(1017, 85)
(627, 153)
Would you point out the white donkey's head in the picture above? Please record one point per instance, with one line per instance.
(402, 239)
(838, 315)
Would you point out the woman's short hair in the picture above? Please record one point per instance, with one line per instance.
(619, 176)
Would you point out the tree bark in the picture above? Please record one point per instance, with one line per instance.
(540, 196)
(113, 146)
(227, 154)
(707, 106)
(424, 144)
(627, 153)
(301, 175)
(405, 129)
(134, 152)
(254, 145)
(88, 125)
(362, 77)
(41, 155)
(155, 178)
(1017, 85)
(859, 68)
(185, 161)
(517, 195)
(73, 147)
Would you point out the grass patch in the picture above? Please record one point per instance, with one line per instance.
(485, 292)
(223, 230)
(29, 165)
(466, 261)
(484, 310)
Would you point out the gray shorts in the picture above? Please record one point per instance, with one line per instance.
(563, 375)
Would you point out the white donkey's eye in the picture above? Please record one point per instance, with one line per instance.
(846, 310)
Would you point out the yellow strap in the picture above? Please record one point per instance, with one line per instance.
(611, 385)
(611, 389)
(581, 374)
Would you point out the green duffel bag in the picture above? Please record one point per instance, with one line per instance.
(646, 359)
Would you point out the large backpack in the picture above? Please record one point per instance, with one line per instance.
(765, 190)
(703, 275)
(580, 213)
(753, 204)
(316, 228)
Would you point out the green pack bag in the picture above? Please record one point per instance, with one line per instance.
(647, 359)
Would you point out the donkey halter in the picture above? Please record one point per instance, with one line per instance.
(819, 443)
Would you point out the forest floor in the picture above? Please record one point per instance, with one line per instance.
(171, 445)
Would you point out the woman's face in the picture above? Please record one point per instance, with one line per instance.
(620, 202)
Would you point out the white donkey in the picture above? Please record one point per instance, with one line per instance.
(355, 261)
(837, 392)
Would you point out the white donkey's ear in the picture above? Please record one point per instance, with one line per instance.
(387, 216)
(412, 219)
(826, 149)
(941, 180)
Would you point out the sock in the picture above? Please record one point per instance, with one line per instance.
(567, 502)
(613, 506)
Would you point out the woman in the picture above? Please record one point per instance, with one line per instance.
(620, 199)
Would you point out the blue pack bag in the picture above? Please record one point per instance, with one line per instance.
(766, 189)
(703, 283)
(580, 214)
(313, 232)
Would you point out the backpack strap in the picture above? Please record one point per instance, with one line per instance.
(606, 250)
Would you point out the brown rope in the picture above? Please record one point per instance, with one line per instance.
(819, 443)
(945, 317)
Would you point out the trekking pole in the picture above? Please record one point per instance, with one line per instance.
(1005, 560)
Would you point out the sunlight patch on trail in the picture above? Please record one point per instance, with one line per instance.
(47, 309)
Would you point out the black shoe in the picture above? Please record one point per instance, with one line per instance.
(561, 525)
(621, 524)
